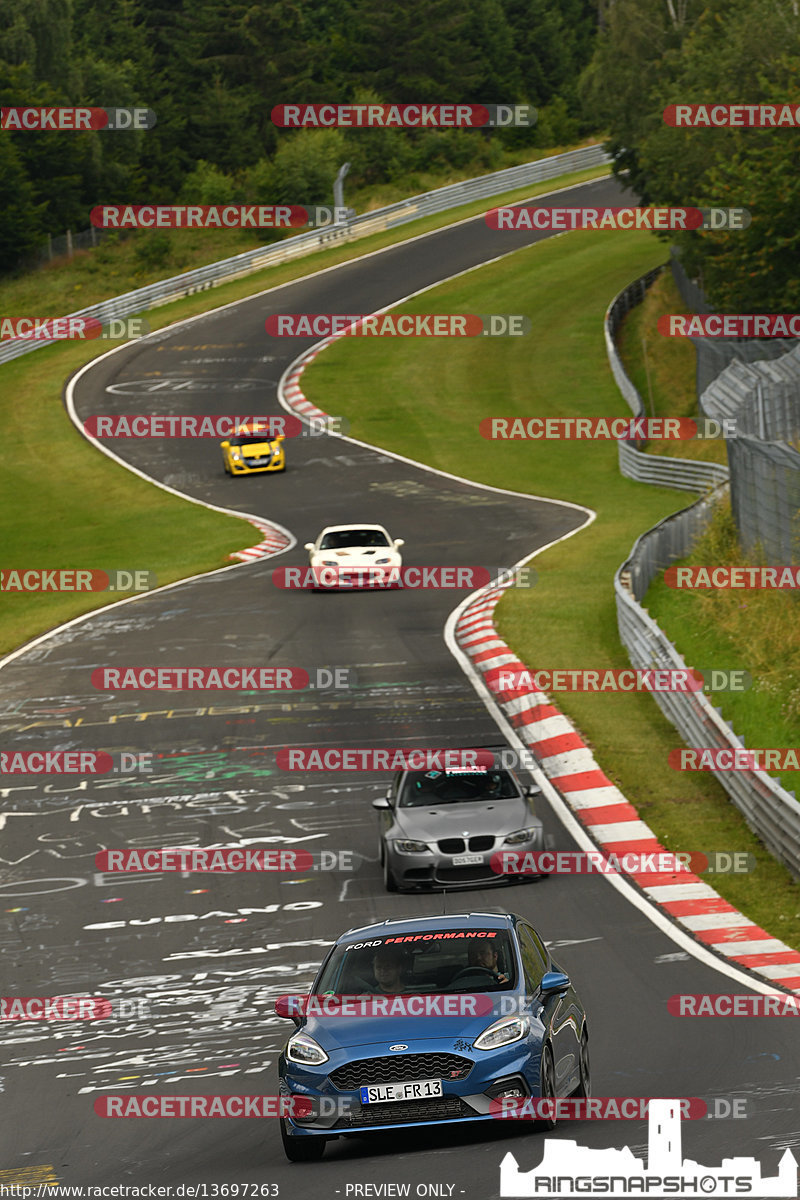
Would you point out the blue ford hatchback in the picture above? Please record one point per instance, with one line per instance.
(430, 1020)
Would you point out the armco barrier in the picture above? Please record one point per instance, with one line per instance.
(771, 812)
(439, 200)
(685, 474)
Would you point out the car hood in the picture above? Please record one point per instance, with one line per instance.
(477, 817)
(358, 554)
(374, 1035)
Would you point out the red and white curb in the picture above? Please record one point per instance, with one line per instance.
(606, 814)
(275, 541)
(602, 809)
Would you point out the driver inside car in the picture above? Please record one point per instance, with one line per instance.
(388, 967)
(484, 954)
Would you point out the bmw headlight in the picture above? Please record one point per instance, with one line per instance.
(521, 835)
(502, 1033)
(301, 1048)
(412, 847)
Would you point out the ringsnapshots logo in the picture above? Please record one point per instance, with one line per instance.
(570, 1170)
(404, 116)
(732, 116)
(364, 325)
(730, 325)
(222, 426)
(603, 429)
(232, 679)
(75, 329)
(91, 579)
(334, 575)
(655, 219)
(756, 578)
(75, 120)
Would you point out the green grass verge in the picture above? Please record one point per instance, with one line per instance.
(93, 512)
(429, 401)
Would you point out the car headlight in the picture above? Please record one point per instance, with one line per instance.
(502, 1033)
(236, 456)
(521, 835)
(412, 847)
(301, 1048)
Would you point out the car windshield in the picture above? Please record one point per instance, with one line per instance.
(254, 440)
(430, 960)
(421, 788)
(353, 537)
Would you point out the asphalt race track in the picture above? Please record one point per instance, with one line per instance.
(200, 985)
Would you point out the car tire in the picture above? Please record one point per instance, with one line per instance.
(389, 881)
(301, 1149)
(547, 1089)
(584, 1088)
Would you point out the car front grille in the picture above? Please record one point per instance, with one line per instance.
(400, 1068)
(437, 1108)
(475, 845)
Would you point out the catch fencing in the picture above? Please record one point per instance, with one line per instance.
(771, 811)
(428, 203)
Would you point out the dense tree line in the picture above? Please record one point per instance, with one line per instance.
(212, 70)
(652, 53)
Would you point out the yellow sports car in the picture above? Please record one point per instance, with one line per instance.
(247, 453)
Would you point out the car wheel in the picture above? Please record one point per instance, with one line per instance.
(389, 881)
(301, 1149)
(547, 1089)
(584, 1088)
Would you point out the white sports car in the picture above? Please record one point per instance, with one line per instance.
(355, 556)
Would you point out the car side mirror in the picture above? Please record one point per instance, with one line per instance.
(552, 982)
(225, 445)
(399, 542)
(309, 546)
(290, 1007)
(381, 802)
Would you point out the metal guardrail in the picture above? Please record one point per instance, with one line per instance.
(438, 200)
(771, 812)
(685, 474)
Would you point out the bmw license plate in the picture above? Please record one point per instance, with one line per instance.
(382, 1093)
(468, 860)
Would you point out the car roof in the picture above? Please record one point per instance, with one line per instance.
(482, 920)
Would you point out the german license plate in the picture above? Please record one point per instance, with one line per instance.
(467, 860)
(382, 1093)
